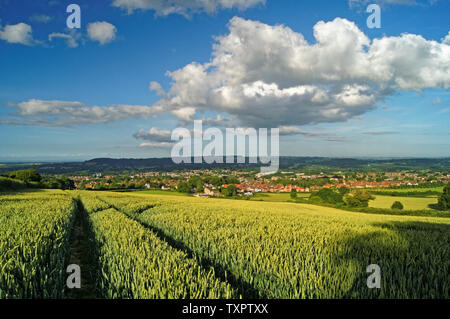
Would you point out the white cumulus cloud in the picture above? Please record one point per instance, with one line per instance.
(184, 113)
(102, 32)
(270, 76)
(17, 33)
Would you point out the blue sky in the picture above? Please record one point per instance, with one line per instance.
(84, 93)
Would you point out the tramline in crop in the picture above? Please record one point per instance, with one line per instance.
(134, 263)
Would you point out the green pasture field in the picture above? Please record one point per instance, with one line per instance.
(159, 192)
(412, 189)
(409, 203)
(276, 197)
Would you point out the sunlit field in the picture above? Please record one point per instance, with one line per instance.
(409, 203)
(412, 189)
(152, 246)
(277, 197)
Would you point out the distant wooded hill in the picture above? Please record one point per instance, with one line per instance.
(306, 164)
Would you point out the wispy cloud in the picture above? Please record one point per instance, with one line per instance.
(380, 132)
(40, 18)
(437, 101)
(184, 7)
(154, 134)
(156, 145)
(73, 113)
(363, 3)
(72, 38)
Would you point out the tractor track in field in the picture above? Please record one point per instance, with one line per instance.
(243, 288)
(79, 255)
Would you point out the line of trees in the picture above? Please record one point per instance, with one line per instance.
(359, 198)
(30, 178)
(342, 196)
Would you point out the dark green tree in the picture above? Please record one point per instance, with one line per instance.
(184, 187)
(229, 191)
(358, 198)
(26, 175)
(444, 199)
(327, 195)
(397, 205)
(293, 193)
(344, 190)
(199, 186)
(230, 179)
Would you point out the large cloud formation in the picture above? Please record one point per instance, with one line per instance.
(269, 76)
(183, 7)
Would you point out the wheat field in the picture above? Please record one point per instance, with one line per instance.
(153, 246)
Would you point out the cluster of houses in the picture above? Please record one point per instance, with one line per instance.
(248, 189)
(212, 191)
(209, 191)
(270, 188)
(248, 186)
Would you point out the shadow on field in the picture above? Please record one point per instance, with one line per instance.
(84, 255)
(436, 206)
(21, 191)
(414, 259)
(243, 288)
